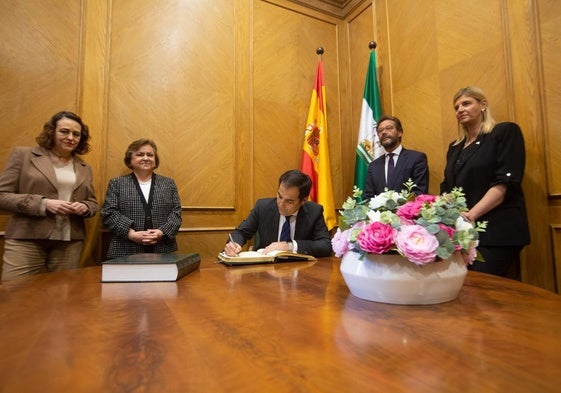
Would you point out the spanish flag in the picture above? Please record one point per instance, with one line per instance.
(315, 155)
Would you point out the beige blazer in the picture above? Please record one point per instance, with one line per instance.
(29, 177)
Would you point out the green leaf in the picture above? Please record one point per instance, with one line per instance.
(433, 229)
(443, 252)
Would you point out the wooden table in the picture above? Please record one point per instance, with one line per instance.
(289, 328)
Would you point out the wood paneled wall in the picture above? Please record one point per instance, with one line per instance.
(223, 87)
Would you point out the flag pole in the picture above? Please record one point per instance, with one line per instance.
(372, 45)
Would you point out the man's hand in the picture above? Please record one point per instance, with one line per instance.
(280, 246)
(232, 249)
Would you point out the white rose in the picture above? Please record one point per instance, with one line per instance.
(463, 225)
(374, 216)
(377, 202)
(380, 200)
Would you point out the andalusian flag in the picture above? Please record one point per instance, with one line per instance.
(368, 147)
(315, 157)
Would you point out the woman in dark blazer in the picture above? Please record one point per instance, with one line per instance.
(142, 210)
(48, 189)
(487, 161)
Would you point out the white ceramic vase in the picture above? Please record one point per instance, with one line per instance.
(394, 279)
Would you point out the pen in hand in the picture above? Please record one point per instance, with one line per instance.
(232, 248)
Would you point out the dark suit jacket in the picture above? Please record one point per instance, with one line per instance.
(263, 221)
(494, 158)
(29, 177)
(410, 164)
(123, 209)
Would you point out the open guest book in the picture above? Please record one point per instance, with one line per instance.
(149, 267)
(254, 257)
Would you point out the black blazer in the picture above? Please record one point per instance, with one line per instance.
(123, 209)
(410, 164)
(494, 158)
(263, 221)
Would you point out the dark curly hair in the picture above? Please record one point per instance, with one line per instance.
(47, 137)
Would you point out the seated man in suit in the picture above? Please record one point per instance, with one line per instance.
(288, 222)
(398, 164)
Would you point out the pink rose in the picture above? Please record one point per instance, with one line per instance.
(469, 255)
(376, 238)
(450, 232)
(340, 242)
(417, 244)
(425, 198)
(404, 221)
(410, 210)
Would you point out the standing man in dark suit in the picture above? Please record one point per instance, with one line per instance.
(404, 165)
(288, 222)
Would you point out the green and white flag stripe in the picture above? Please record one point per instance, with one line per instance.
(368, 146)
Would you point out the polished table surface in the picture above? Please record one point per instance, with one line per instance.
(290, 327)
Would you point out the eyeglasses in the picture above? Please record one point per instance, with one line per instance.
(64, 132)
(382, 129)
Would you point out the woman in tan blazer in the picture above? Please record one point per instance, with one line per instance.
(49, 190)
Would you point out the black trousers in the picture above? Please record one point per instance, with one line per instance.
(500, 261)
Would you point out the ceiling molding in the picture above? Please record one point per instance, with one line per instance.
(337, 8)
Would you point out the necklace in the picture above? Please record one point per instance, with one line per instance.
(470, 140)
(65, 159)
(468, 143)
(59, 161)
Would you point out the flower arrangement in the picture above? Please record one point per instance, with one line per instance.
(423, 228)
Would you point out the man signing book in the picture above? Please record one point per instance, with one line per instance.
(288, 222)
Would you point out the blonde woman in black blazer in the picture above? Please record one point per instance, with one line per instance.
(487, 161)
(142, 209)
